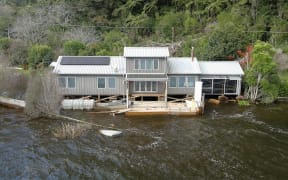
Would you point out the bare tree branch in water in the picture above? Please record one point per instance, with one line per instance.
(43, 96)
(13, 83)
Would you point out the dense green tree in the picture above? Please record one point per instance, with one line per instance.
(261, 78)
(40, 56)
(73, 48)
(113, 43)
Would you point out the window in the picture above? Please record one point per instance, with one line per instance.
(218, 86)
(111, 83)
(190, 81)
(207, 86)
(149, 63)
(154, 86)
(67, 82)
(142, 86)
(62, 82)
(181, 82)
(230, 86)
(146, 64)
(142, 62)
(71, 82)
(136, 61)
(145, 86)
(101, 83)
(156, 63)
(172, 82)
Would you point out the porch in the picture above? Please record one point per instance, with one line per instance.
(188, 108)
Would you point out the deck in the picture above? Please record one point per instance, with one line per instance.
(161, 108)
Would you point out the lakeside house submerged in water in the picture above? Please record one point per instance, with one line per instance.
(145, 73)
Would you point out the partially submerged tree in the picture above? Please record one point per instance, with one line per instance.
(43, 96)
(261, 76)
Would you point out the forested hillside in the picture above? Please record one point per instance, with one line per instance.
(216, 28)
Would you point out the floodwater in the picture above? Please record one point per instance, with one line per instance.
(228, 142)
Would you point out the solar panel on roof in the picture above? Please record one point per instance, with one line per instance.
(100, 60)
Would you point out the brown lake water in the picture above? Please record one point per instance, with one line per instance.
(228, 142)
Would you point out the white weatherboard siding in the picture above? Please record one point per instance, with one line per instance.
(88, 85)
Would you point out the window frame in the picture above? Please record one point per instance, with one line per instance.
(142, 64)
(67, 82)
(98, 82)
(110, 78)
(184, 84)
(63, 83)
(176, 85)
(142, 86)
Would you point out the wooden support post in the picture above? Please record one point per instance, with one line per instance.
(166, 92)
(127, 94)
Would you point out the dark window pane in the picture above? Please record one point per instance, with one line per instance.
(154, 86)
(137, 86)
(218, 86)
(190, 81)
(136, 64)
(148, 86)
(71, 82)
(156, 63)
(142, 84)
(231, 86)
(62, 82)
(181, 81)
(149, 63)
(101, 82)
(142, 63)
(111, 82)
(172, 82)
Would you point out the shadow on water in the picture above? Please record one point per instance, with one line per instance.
(228, 142)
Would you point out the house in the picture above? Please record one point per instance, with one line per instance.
(145, 72)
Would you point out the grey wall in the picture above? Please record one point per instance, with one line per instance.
(130, 66)
(87, 85)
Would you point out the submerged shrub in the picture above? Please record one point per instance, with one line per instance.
(243, 103)
(70, 130)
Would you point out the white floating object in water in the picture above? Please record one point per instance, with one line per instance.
(110, 133)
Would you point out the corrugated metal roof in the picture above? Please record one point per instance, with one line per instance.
(146, 52)
(220, 68)
(183, 65)
(117, 66)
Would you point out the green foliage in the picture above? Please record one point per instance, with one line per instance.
(216, 28)
(73, 48)
(283, 89)
(261, 76)
(171, 24)
(113, 43)
(5, 43)
(243, 103)
(224, 41)
(40, 56)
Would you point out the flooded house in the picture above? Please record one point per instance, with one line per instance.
(146, 73)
